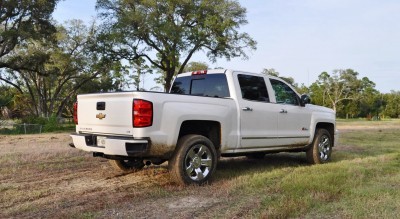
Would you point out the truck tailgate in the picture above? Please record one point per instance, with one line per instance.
(108, 113)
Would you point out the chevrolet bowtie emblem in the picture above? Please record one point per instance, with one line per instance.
(100, 116)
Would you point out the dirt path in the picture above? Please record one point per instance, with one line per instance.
(41, 177)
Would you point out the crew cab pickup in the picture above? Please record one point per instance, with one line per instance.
(207, 114)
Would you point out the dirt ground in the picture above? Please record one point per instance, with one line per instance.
(42, 177)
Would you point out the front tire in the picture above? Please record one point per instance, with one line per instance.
(194, 161)
(127, 165)
(321, 148)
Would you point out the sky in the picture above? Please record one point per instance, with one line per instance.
(302, 38)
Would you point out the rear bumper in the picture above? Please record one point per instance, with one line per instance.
(111, 145)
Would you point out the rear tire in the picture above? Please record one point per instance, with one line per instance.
(194, 161)
(127, 165)
(321, 148)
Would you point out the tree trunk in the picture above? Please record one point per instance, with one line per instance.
(168, 79)
(334, 105)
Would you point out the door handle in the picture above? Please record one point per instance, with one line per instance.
(247, 108)
(283, 111)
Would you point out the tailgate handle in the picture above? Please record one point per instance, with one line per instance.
(101, 106)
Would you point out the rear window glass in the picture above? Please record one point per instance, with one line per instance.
(208, 85)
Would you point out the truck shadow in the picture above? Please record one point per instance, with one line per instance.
(234, 167)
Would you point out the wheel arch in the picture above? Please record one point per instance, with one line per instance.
(330, 127)
(207, 128)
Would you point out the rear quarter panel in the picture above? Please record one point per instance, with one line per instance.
(171, 110)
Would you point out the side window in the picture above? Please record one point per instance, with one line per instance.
(253, 88)
(283, 93)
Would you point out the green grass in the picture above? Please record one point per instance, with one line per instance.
(363, 181)
(371, 123)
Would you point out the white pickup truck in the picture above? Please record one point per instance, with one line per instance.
(206, 115)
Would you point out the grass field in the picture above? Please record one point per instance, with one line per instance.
(41, 177)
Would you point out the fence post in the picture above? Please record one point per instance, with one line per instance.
(25, 128)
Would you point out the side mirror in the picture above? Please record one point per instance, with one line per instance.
(304, 99)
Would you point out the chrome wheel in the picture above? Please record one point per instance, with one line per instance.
(198, 162)
(194, 161)
(324, 148)
(320, 151)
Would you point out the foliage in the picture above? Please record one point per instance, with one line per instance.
(36, 125)
(350, 96)
(302, 89)
(21, 21)
(34, 120)
(6, 96)
(139, 71)
(392, 104)
(195, 66)
(341, 87)
(191, 66)
(51, 125)
(59, 70)
(44, 65)
(166, 32)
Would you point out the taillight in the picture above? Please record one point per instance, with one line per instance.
(76, 113)
(142, 113)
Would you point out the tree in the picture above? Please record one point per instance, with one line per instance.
(20, 21)
(140, 69)
(168, 32)
(50, 84)
(191, 66)
(195, 66)
(392, 108)
(317, 94)
(345, 93)
(370, 101)
(270, 71)
(302, 89)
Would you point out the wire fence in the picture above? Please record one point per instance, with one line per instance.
(7, 127)
(27, 128)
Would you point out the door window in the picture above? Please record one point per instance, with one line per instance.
(253, 88)
(283, 93)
